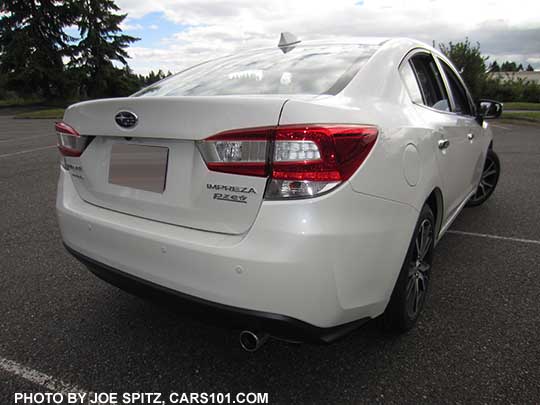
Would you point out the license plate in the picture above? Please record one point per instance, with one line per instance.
(140, 167)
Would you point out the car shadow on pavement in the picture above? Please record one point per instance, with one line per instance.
(141, 338)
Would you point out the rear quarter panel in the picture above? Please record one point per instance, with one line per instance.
(402, 165)
(400, 172)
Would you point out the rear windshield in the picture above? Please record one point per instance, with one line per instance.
(310, 69)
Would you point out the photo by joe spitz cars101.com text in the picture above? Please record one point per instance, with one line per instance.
(296, 191)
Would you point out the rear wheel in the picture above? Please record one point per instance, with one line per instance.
(411, 288)
(488, 181)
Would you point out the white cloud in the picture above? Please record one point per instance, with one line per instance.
(131, 27)
(218, 27)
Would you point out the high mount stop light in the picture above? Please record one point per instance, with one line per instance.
(301, 160)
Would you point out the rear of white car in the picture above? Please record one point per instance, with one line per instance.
(250, 207)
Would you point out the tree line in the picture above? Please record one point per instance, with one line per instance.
(480, 78)
(508, 66)
(66, 50)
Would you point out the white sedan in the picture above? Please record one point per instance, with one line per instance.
(295, 191)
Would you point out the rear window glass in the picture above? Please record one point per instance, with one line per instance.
(321, 69)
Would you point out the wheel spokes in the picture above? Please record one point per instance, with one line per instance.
(489, 173)
(489, 166)
(487, 184)
(424, 268)
(412, 294)
(487, 181)
(419, 294)
(419, 268)
(427, 244)
(410, 288)
(423, 240)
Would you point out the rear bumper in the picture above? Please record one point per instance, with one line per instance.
(275, 324)
(326, 263)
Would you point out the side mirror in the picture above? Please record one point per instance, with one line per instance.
(489, 109)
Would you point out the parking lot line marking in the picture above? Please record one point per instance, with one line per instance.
(24, 138)
(27, 151)
(39, 378)
(499, 126)
(485, 235)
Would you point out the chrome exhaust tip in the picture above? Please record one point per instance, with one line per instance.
(252, 341)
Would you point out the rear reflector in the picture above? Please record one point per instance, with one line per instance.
(302, 160)
(70, 142)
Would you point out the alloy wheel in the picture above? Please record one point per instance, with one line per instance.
(488, 181)
(419, 266)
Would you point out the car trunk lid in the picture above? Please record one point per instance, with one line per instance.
(154, 169)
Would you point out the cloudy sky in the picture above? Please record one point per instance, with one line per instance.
(178, 33)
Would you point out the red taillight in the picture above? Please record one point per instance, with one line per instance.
(341, 150)
(238, 152)
(70, 142)
(306, 160)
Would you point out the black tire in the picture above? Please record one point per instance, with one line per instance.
(402, 313)
(489, 180)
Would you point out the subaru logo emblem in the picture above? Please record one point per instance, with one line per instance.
(126, 119)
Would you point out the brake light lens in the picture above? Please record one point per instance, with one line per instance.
(238, 152)
(70, 142)
(301, 160)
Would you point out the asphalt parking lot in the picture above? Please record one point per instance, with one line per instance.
(477, 342)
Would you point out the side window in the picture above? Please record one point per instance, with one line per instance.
(430, 82)
(410, 82)
(459, 94)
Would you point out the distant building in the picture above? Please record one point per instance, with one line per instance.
(509, 76)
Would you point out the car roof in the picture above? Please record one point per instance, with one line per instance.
(402, 44)
(347, 40)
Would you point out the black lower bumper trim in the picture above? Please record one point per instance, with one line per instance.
(279, 326)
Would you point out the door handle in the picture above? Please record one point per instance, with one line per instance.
(470, 136)
(444, 143)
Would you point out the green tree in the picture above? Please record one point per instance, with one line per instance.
(494, 67)
(32, 45)
(514, 89)
(530, 68)
(3, 90)
(154, 77)
(122, 83)
(102, 43)
(469, 62)
(508, 66)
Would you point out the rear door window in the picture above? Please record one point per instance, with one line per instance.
(459, 93)
(429, 79)
(410, 82)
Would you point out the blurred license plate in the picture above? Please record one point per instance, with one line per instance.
(140, 167)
